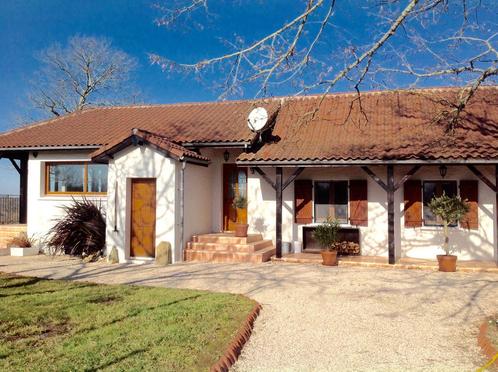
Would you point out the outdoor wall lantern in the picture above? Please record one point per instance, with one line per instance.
(226, 155)
(443, 170)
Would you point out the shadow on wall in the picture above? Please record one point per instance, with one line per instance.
(464, 243)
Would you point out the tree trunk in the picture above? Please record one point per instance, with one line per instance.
(446, 244)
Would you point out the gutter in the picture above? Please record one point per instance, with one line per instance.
(182, 208)
(228, 145)
(49, 148)
(345, 163)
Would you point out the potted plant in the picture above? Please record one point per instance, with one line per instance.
(450, 209)
(240, 202)
(22, 245)
(326, 235)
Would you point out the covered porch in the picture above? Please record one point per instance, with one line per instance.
(389, 212)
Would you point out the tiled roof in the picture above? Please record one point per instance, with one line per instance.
(195, 122)
(159, 142)
(393, 125)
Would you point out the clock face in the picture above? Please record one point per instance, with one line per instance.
(257, 119)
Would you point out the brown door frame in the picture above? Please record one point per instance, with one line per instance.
(132, 181)
(233, 166)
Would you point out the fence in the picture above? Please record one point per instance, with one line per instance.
(9, 209)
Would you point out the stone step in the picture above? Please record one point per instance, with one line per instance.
(226, 238)
(249, 247)
(262, 255)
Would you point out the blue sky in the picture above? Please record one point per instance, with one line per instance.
(31, 25)
(28, 26)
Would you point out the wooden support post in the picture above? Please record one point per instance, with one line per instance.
(390, 214)
(23, 189)
(264, 176)
(496, 212)
(278, 212)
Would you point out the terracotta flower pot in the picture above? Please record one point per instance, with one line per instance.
(447, 263)
(329, 258)
(241, 230)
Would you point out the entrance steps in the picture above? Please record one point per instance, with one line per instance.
(225, 247)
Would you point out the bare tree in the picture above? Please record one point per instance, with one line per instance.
(410, 43)
(88, 71)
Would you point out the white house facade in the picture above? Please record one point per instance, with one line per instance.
(169, 173)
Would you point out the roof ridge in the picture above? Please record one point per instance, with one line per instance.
(198, 103)
(387, 91)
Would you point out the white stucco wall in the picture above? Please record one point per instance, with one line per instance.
(477, 244)
(44, 210)
(423, 242)
(198, 200)
(141, 162)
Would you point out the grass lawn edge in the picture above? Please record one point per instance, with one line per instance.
(233, 346)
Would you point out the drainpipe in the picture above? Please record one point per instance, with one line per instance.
(182, 207)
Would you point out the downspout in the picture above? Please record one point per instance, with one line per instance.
(182, 206)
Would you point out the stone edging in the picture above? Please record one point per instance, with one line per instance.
(483, 341)
(235, 347)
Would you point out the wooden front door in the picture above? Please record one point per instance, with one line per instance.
(143, 217)
(234, 183)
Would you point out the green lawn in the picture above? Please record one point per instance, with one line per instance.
(63, 325)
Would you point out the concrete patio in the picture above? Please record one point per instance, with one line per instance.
(382, 262)
(321, 318)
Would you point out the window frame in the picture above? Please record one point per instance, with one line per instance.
(457, 193)
(342, 222)
(85, 164)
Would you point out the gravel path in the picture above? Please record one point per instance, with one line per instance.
(326, 319)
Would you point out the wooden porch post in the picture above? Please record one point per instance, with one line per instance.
(496, 212)
(390, 214)
(278, 212)
(23, 189)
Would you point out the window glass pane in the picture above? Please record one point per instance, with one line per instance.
(322, 197)
(66, 177)
(331, 200)
(436, 188)
(340, 205)
(242, 177)
(97, 178)
(449, 188)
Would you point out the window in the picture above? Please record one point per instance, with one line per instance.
(432, 189)
(76, 178)
(331, 199)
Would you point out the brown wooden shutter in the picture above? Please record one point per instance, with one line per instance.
(413, 203)
(358, 202)
(469, 192)
(303, 201)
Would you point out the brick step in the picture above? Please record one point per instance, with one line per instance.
(262, 255)
(227, 238)
(249, 247)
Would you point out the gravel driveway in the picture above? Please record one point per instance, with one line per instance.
(326, 319)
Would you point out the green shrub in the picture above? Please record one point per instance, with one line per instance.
(450, 209)
(326, 234)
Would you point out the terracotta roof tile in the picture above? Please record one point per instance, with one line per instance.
(194, 122)
(399, 125)
(161, 143)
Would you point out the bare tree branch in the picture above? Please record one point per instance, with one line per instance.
(88, 71)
